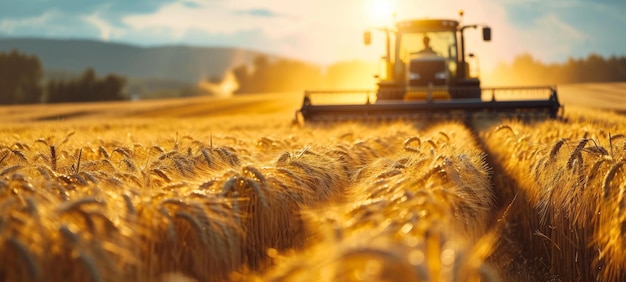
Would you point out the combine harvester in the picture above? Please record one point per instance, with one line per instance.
(427, 76)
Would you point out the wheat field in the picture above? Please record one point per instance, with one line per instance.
(572, 181)
(185, 191)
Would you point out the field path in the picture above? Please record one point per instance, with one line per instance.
(611, 96)
(284, 104)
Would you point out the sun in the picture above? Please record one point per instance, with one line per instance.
(380, 12)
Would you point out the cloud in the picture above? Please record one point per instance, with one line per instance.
(295, 29)
(552, 39)
(67, 18)
(258, 13)
(9, 25)
(178, 18)
(104, 27)
(552, 31)
(555, 26)
(30, 8)
(324, 31)
(275, 19)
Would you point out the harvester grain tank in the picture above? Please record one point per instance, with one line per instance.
(427, 75)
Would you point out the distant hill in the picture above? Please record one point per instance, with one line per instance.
(148, 69)
(181, 63)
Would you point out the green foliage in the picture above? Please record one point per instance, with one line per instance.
(87, 88)
(20, 75)
(20, 83)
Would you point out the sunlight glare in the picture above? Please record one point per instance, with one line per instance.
(381, 12)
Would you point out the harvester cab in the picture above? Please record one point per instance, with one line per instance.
(427, 58)
(426, 74)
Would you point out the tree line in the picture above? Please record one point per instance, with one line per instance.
(265, 75)
(21, 77)
(527, 70)
(281, 75)
(21, 82)
(87, 88)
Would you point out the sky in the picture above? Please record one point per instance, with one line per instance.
(326, 31)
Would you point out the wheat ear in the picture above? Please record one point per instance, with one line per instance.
(576, 152)
(609, 176)
(27, 256)
(407, 144)
(53, 158)
(10, 169)
(555, 149)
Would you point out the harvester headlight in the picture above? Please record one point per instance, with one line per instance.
(441, 75)
(414, 76)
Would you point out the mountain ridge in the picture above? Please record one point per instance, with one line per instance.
(183, 63)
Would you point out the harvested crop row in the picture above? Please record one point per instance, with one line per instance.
(569, 178)
(419, 211)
